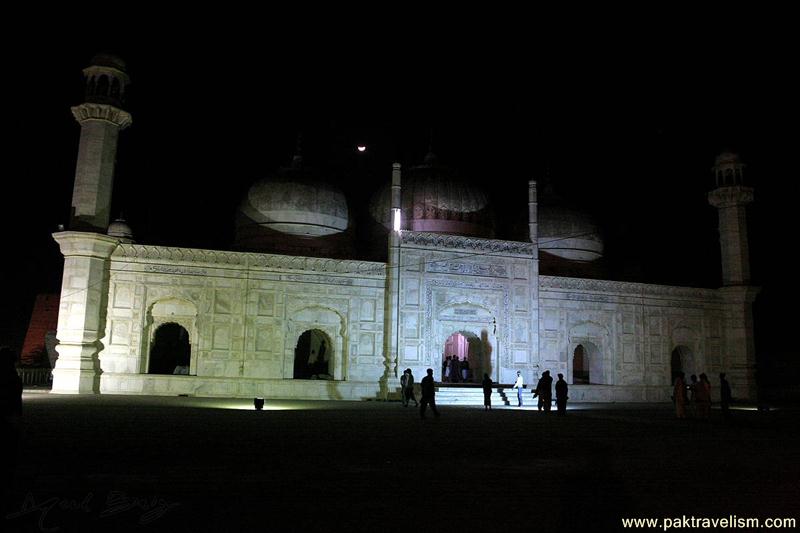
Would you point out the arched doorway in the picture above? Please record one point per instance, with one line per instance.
(462, 358)
(171, 351)
(681, 360)
(312, 356)
(580, 365)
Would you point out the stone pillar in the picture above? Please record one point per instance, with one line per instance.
(82, 310)
(392, 303)
(94, 172)
(533, 232)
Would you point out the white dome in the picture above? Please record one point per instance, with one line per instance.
(296, 207)
(121, 230)
(569, 234)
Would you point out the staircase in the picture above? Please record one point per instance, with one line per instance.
(473, 395)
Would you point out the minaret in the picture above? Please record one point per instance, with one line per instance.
(731, 198)
(101, 118)
(86, 248)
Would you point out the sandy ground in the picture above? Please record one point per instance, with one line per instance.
(124, 463)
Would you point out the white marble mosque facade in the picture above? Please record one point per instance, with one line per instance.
(244, 312)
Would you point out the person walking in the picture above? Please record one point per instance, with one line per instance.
(410, 389)
(428, 395)
(561, 395)
(487, 392)
(519, 385)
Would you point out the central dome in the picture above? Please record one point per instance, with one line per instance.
(568, 233)
(435, 200)
(294, 203)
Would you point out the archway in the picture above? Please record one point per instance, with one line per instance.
(312, 356)
(580, 365)
(462, 360)
(171, 350)
(681, 360)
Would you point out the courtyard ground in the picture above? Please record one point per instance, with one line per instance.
(127, 463)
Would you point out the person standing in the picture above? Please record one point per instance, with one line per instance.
(724, 395)
(446, 369)
(693, 395)
(487, 392)
(428, 395)
(539, 387)
(561, 395)
(519, 385)
(464, 369)
(404, 388)
(547, 391)
(679, 396)
(703, 397)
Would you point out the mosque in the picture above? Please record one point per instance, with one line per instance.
(290, 315)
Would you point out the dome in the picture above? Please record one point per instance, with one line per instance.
(121, 230)
(727, 158)
(435, 200)
(293, 203)
(108, 60)
(569, 234)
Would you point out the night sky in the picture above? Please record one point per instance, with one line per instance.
(627, 129)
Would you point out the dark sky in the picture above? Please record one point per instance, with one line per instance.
(628, 126)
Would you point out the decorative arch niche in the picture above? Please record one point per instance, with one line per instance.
(170, 311)
(331, 325)
(595, 342)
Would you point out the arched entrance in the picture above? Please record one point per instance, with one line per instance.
(312, 356)
(462, 358)
(580, 365)
(681, 360)
(171, 351)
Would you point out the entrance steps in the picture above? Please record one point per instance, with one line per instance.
(473, 395)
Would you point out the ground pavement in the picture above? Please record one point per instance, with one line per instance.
(127, 463)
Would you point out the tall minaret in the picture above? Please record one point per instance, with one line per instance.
(101, 118)
(731, 198)
(86, 247)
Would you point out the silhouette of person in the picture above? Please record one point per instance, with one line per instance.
(464, 369)
(407, 388)
(519, 385)
(545, 390)
(561, 395)
(679, 395)
(703, 397)
(724, 395)
(428, 395)
(446, 369)
(539, 386)
(454, 368)
(693, 395)
(487, 392)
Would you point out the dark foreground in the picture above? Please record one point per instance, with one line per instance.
(115, 463)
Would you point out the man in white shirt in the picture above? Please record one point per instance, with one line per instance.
(519, 385)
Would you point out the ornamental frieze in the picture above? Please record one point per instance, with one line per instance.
(626, 288)
(248, 260)
(469, 269)
(473, 244)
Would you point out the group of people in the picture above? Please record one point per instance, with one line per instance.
(543, 392)
(694, 399)
(455, 370)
